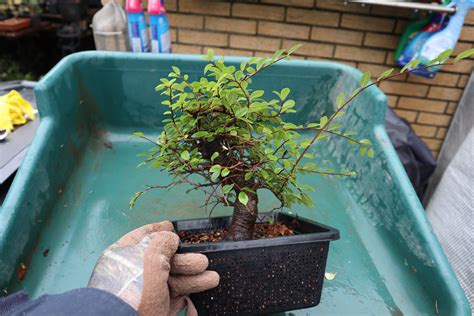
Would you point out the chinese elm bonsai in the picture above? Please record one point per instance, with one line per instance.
(236, 140)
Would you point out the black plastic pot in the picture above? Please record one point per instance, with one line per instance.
(264, 275)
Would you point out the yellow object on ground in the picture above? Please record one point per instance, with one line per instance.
(14, 110)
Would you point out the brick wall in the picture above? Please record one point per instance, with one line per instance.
(361, 36)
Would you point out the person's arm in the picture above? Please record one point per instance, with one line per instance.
(79, 302)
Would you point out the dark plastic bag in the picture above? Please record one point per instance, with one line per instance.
(415, 156)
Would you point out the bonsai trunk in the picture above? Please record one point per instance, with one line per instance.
(244, 218)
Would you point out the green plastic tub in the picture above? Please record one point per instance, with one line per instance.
(69, 200)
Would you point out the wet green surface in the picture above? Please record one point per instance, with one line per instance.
(71, 194)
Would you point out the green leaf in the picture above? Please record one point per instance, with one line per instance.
(207, 68)
(241, 112)
(364, 80)
(248, 176)
(185, 155)
(215, 168)
(340, 100)
(225, 172)
(139, 134)
(284, 93)
(385, 74)
(370, 153)
(294, 48)
(256, 94)
(288, 105)
(433, 61)
(323, 121)
(200, 134)
(365, 141)
(412, 64)
(215, 175)
(176, 70)
(465, 54)
(134, 199)
(214, 156)
(210, 54)
(362, 151)
(243, 198)
(226, 188)
(445, 55)
(340, 114)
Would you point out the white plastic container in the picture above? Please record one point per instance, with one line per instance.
(110, 28)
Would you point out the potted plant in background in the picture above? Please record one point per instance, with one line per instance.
(230, 141)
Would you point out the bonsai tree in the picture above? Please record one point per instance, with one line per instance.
(236, 139)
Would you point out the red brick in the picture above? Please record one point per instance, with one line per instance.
(451, 108)
(442, 93)
(376, 70)
(441, 133)
(434, 119)
(422, 105)
(284, 30)
(257, 11)
(424, 130)
(254, 42)
(218, 51)
(410, 116)
(325, 34)
(467, 33)
(311, 49)
(403, 88)
(390, 59)
(433, 144)
(469, 18)
(392, 101)
(359, 54)
(313, 17)
(203, 38)
(460, 47)
(463, 81)
(367, 23)
(441, 79)
(185, 20)
(292, 3)
(381, 40)
(171, 5)
(462, 67)
(207, 7)
(173, 35)
(186, 49)
(231, 25)
(400, 27)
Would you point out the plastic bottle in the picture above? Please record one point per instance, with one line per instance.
(442, 40)
(412, 49)
(109, 27)
(137, 26)
(448, 37)
(159, 27)
(411, 30)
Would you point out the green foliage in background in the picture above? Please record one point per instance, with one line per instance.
(11, 70)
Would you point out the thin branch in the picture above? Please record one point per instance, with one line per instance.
(325, 131)
(345, 174)
(334, 115)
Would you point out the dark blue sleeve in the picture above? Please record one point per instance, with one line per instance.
(86, 301)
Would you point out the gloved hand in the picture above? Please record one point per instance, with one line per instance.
(143, 270)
